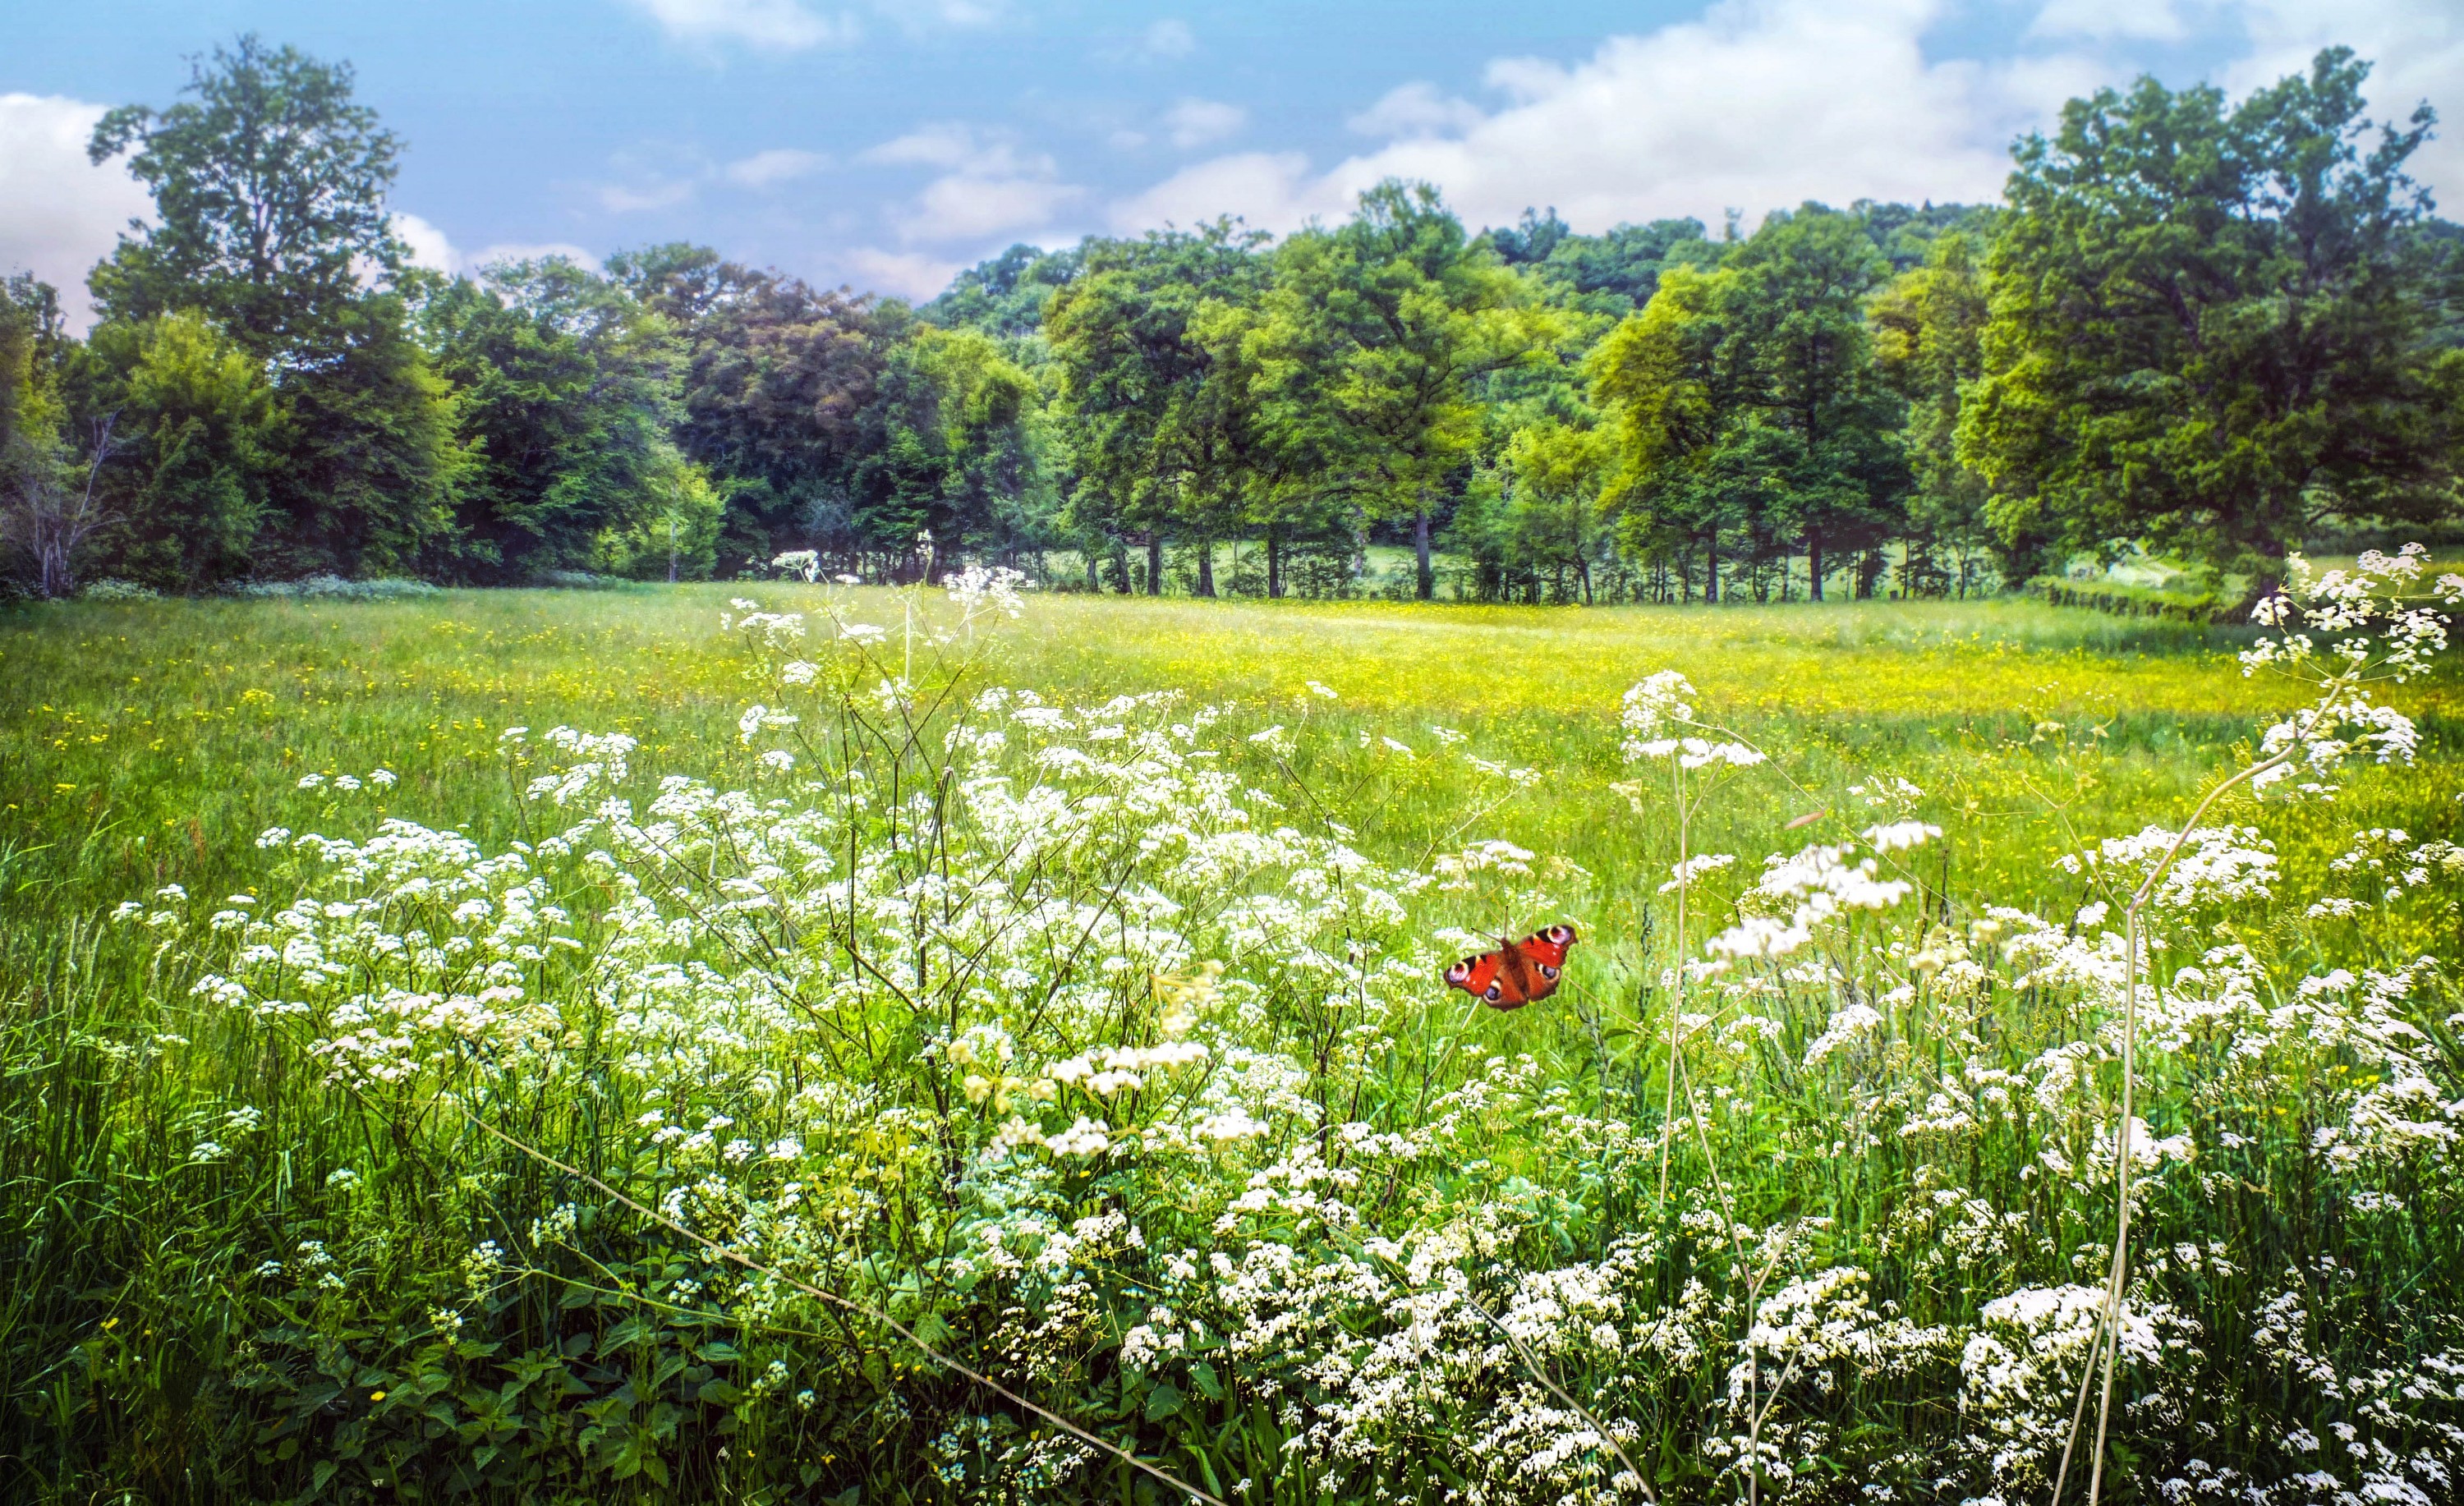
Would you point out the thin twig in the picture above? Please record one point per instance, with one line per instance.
(865, 1309)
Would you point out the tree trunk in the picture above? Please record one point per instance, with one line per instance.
(1813, 566)
(1155, 561)
(1711, 570)
(1274, 564)
(1429, 579)
(1094, 576)
(1206, 568)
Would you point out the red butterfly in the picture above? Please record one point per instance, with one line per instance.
(1518, 972)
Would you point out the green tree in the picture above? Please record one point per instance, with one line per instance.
(268, 188)
(781, 387)
(201, 433)
(1162, 406)
(1374, 337)
(2207, 335)
(569, 386)
(953, 452)
(50, 507)
(1930, 346)
(1750, 413)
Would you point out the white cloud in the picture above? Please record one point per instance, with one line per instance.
(1415, 109)
(432, 248)
(909, 275)
(1758, 105)
(988, 186)
(1196, 122)
(776, 165)
(962, 207)
(59, 214)
(2153, 19)
(1162, 42)
(429, 246)
(2417, 50)
(618, 198)
(1272, 189)
(760, 23)
(944, 143)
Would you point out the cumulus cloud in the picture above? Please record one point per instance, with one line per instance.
(1757, 105)
(1416, 109)
(59, 214)
(432, 248)
(760, 23)
(2150, 19)
(1196, 122)
(987, 184)
(909, 275)
(776, 165)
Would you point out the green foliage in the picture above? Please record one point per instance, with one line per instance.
(269, 190)
(2206, 332)
(203, 434)
(567, 389)
(2195, 327)
(1147, 344)
(1749, 411)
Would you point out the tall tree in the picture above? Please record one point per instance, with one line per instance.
(569, 387)
(1930, 346)
(2206, 333)
(198, 435)
(50, 504)
(779, 380)
(1748, 405)
(1375, 335)
(269, 186)
(1165, 422)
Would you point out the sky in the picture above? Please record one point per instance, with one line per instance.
(887, 143)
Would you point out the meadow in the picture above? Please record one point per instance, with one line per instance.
(628, 1003)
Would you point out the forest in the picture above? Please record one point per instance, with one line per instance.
(2198, 329)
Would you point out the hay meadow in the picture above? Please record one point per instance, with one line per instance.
(450, 1045)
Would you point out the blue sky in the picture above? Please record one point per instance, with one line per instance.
(886, 143)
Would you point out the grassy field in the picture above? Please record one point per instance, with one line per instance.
(148, 743)
(151, 1350)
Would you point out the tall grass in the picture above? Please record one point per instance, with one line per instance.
(147, 745)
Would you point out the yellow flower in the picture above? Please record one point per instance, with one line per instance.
(376, 1396)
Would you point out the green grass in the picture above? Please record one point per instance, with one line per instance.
(145, 744)
(148, 743)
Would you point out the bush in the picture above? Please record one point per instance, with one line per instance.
(333, 588)
(111, 588)
(2205, 606)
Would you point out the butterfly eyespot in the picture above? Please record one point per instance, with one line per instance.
(1561, 935)
(1548, 972)
(1494, 994)
(1458, 972)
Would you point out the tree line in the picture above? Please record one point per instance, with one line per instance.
(2203, 327)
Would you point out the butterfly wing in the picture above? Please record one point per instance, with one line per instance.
(1477, 976)
(1518, 972)
(1533, 967)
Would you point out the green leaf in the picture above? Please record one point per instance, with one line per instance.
(1207, 1382)
(1164, 1401)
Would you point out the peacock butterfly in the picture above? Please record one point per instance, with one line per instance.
(1518, 972)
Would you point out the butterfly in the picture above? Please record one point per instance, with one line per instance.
(1518, 972)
